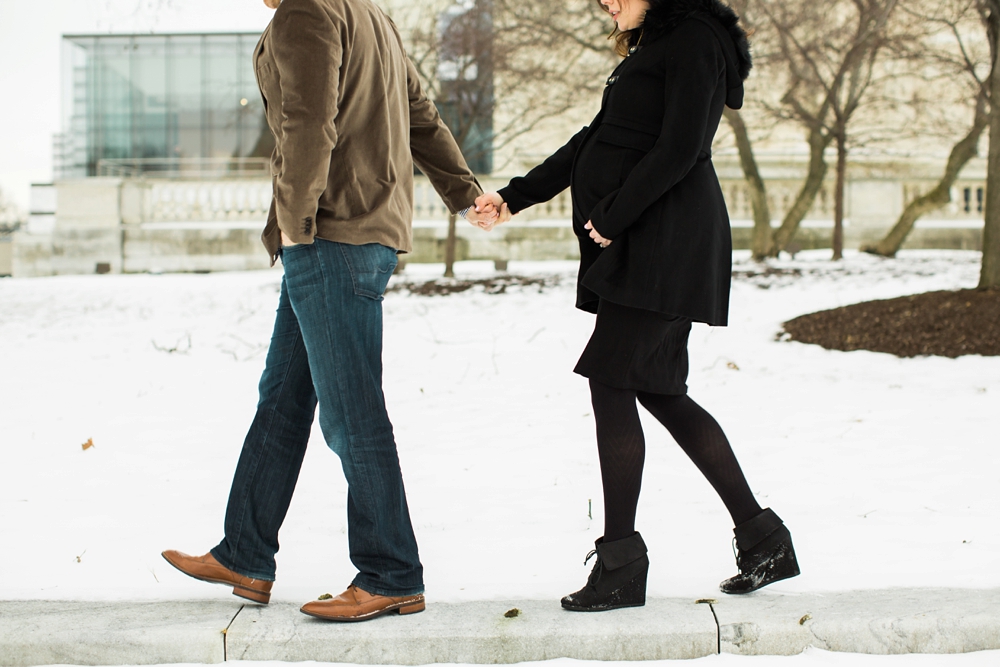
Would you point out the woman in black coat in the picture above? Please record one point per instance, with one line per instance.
(656, 255)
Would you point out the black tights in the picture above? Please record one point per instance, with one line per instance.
(622, 449)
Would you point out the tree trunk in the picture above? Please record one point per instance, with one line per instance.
(807, 194)
(449, 248)
(838, 195)
(989, 276)
(961, 153)
(762, 243)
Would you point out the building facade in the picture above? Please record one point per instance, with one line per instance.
(158, 101)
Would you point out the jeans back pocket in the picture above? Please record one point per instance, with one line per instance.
(371, 266)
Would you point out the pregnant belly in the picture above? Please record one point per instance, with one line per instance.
(598, 173)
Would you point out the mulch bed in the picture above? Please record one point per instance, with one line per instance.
(495, 285)
(947, 324)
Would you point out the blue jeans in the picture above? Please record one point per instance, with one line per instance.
(327, 349)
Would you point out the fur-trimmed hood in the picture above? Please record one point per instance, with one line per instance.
(665, 15)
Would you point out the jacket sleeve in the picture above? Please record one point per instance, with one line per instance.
(544, 181)
(435, 150)
(308, 53)
(694, 64)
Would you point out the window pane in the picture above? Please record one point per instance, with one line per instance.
(185, 81)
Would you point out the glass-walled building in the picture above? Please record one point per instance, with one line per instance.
(190, 103)
(157, 98)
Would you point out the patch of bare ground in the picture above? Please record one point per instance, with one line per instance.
(946, 324)
(494, 285)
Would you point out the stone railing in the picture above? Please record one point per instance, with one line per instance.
(213, 223)
(229, 200)
(233, 200)
(248, 199)
(196, 201)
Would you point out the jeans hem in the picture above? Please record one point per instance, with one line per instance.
(226, 563)
(361, 582)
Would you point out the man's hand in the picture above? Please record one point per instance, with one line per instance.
(286, 242)
(598, 239)
(481, 217)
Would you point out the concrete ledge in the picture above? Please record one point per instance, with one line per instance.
(6, 255)
(110, 633)
(765, 623)
(478, 633)
(874, 622)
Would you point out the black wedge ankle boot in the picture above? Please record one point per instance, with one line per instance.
(618, 578)
(764, 554)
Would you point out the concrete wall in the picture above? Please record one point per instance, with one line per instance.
(32, 255)
(169, 249)
(88, 237)
(6, 254)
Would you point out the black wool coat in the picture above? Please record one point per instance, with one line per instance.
(642, 170)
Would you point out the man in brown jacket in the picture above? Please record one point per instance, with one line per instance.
(349, 119)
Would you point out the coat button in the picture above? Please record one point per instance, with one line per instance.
(612, 79)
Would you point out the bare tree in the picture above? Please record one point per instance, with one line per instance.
(11, 215)
(460, 47)
(762, 240)
(830, 49)
(956, 64)
(498, 69)
(990, 273)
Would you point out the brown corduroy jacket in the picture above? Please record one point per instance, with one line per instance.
(349, 120)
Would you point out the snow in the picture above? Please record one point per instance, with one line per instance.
(884, 469)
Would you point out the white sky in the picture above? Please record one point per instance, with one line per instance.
(30, 32)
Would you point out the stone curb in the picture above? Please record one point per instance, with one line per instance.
(138, 633)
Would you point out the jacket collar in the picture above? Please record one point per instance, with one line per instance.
(665, 15)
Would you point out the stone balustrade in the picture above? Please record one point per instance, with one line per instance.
(249, 199)
(213, 223)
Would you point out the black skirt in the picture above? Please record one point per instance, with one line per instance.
(637, 349)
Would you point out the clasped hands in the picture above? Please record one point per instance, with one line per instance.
(488, 211)
(491, 210)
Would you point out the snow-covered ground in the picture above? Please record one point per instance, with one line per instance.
(885, 469)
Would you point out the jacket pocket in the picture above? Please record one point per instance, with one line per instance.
(626, 137)
(371, 265)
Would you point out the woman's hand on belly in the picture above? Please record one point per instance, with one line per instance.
(594, 234)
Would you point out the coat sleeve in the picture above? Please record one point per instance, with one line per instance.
(694, 63)
(308, 54)
(544, 181)
(435, 150)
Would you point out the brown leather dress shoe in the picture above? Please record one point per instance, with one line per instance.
(208, 569)
(355, 604)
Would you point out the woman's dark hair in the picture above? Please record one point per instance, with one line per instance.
(624, 38)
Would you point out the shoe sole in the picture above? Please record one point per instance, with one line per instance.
(608, 608)
(402, 608)
(772, 581)
(238, 591)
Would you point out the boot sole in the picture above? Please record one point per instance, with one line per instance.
(768, 583)
(607, 608)
(631, 594)
(402, 608)
(238, 591)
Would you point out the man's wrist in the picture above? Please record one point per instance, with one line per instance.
(464, 212)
